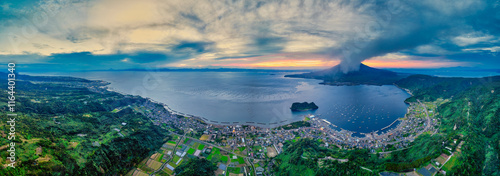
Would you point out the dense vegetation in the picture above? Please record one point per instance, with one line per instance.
(473, 113)
(303, 106)
(295, 125)
(424, 148)
(66, 129)
(305, 157)
(196, 167)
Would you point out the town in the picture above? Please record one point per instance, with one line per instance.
(244, 149)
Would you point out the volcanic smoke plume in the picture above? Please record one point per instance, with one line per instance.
(399, 26)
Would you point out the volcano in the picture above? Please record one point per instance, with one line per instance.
(364, 75)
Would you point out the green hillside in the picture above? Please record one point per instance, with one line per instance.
(472, 112)
(66, 129)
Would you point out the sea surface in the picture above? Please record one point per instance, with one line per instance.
(261, 98)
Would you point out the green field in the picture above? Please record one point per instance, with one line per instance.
(176, 158)
(215, 156)
(168, 171)
(224, 159)
(450, 163)
(171, 142)
(234, 170)
(241, 160)
(201, 146)
(172, 164)
(161, 157)
(191, 151)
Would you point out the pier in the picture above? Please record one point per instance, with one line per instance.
(388, 126)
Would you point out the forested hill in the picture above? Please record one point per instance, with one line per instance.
(473, 110)
(306, 157)
(428, 88)
(3, 76)
(68, 129)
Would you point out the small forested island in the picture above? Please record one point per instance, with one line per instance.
(303, 106)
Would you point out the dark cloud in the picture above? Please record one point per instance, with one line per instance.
(191, 16)
(88, 61)
(89, 58)
(417, 23)
(268, 44)
(197, 47)
(149, 57)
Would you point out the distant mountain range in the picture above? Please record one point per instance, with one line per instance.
(365, 75)
(205, 70)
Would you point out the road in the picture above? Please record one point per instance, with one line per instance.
(428, 124)
(247, 158)
(366, 168)
(391, 151)
(172, 156)
(213, 145)
(419, 133)
(428, 118)
(197, 140)
(444, 163)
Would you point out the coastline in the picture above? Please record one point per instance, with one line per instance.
(350, 133)
(165, 106)
(331, 133)
(106, 85)
(406, 90)
(268, 125)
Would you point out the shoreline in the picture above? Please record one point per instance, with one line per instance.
(270, 125)
(259, 124)
(334, 133)
(203, 119)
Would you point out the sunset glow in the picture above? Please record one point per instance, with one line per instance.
(314, 61)
(283, 64)
(410, 64)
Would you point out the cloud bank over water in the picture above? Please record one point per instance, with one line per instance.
(212, 33)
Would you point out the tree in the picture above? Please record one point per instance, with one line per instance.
(196, 167)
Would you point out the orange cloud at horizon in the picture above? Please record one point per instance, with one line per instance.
(283, 63)
(319, 61)
(411, 63)
(326, 63)
(296, 63)
(280, 60)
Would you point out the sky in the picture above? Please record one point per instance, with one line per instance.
(76, 35)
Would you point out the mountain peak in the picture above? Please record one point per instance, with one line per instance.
(364, 75)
